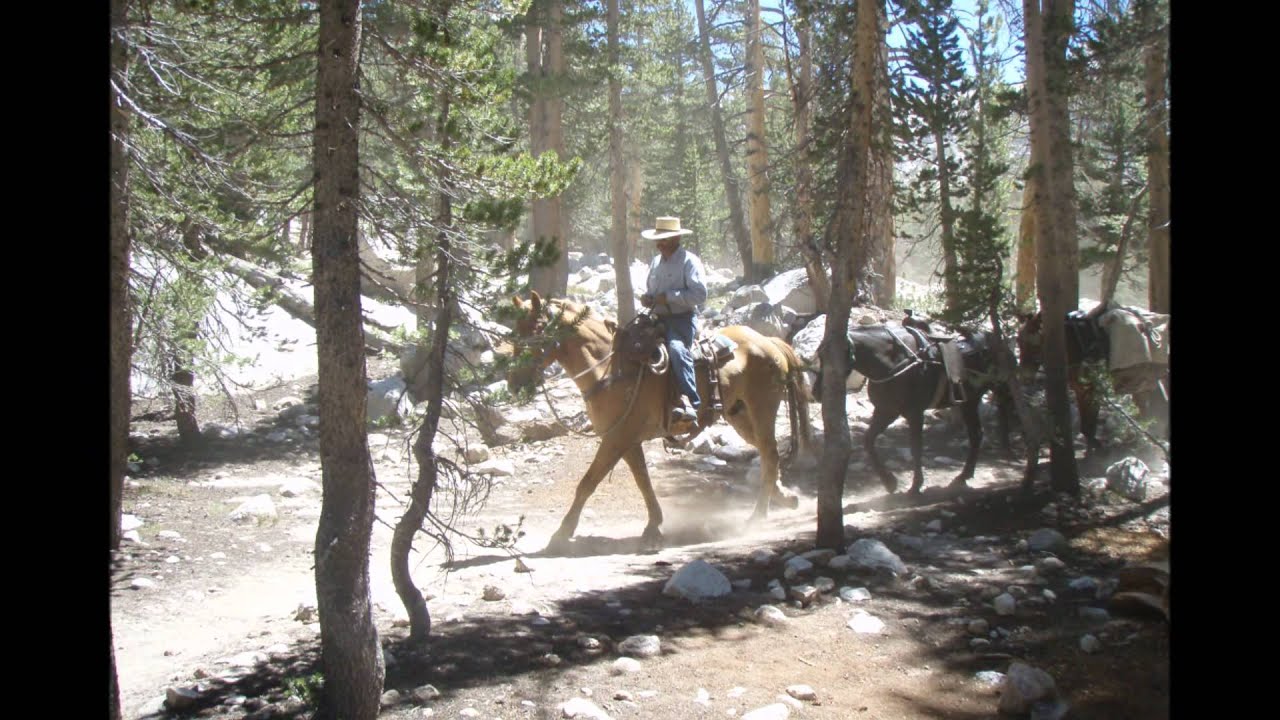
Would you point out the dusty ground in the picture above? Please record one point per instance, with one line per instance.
(522, 656)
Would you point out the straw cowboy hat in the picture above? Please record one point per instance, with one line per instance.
(665, 227)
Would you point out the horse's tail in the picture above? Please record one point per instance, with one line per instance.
(797, 399)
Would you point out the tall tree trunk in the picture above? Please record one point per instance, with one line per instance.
(950, 261)
(545, 52)
(304, 232)
(736, 222)
(881, 273)
(801, 94)
(119, 310)
(424, 445)
(635, 196)
(1155, 61)
(1053, 246)
(848, 234)
(350, 653)
(1024, 283)
(758, 152)
(617, 179)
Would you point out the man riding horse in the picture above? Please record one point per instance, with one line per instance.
(675, 293)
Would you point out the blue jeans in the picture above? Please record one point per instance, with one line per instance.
(679, 344)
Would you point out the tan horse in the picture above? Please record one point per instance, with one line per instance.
(627, 402)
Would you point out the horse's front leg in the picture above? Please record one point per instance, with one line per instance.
(973, 424)
(1087, 405)
(606, 457)
(634, 456)
(880, 419)
(915, 425)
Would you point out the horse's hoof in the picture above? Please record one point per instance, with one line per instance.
(787, 500)
(915, 490)
(558, 545)
(890, 485)
(961, 481)
(651, 539)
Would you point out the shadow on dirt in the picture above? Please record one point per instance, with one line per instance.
(939, 593)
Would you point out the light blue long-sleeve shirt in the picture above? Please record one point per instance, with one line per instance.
(680, 277)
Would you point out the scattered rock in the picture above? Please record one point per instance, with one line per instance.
(849, 594)
(1005, 604)
(493, 593)
(864, 622)
(1046, 540)
(640, 646)
(869, 554)
(1128, 477)
(770, 615)
(581, 707)
(1089, 643)
(257, 509)
(802, 692)
(697, 581)
(776, 711)
(625, 665)
(1026, 686)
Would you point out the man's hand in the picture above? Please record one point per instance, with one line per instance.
(646, 300)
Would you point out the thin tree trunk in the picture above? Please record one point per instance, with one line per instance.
(617, 179)
(424, 446)
(119, 310)
(734, 197)
(1051, 244)
(304, 232)
(119, 320)
(758, 152)
(1112, 271)
(544, 49)
(1024, 283)
(350, 653)
(1155, 61)
(848, 234)
(635, 196)
(881, 271)
(950, 261)
(801, 93)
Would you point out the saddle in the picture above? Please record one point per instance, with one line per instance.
(644, 340)
(1094, 343)
(956, 353)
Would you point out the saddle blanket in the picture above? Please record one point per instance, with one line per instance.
(716, 349)
(1137, 337)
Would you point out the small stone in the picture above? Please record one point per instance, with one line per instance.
(1095, 614)
(390, 697)
(1089, 643)
(770, 615)
(849, 594)
(1046, 540)
(979, 627)
(425, 693)
(1005, 604)
(493, 593)
(625, 665)
(180, 698)
(795, 567)
(640, 646)
(804, 593)
(776, 711)
(1049, 566)
(141, 583)
(864, 622)
(802, 692)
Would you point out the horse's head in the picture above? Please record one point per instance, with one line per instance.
(1030, 341)
(815, 386)
(542, 329)
(527, 338)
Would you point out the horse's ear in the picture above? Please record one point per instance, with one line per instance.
(519, 303)
(613, 326)
(536, 301)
